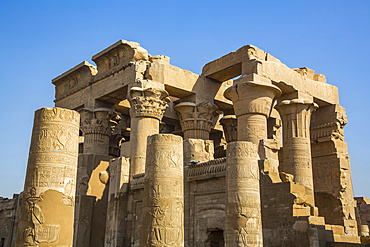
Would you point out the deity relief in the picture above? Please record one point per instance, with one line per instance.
(247, 227)
(38, 232)
(166, 220)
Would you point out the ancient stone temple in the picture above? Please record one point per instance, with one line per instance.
(138, 152)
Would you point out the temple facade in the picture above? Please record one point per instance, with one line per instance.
(138, 152)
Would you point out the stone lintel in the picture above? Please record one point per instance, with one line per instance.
(74, 79)
(230, 65)
(119, 55)
(295, 95)
(250, 59)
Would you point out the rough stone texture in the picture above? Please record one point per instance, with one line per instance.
(331, 168)
(9, 216)
(243, 226)
(118, 187)
(363, 215)
(163, 205)
(49, 192)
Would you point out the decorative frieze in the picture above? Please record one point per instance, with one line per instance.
(208, 169)
(196, 120)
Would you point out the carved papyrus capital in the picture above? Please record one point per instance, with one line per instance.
(296, 115)
(196, 120)
(96, 121)
(250, 97)
(148, 102)
(230, 125)
(97, 127)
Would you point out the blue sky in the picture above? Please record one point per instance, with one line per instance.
(41, 39)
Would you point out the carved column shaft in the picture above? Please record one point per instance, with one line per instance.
(95, 126)
(163, 204)
(254, 128)
(243, 206)
(47, 210)
(196, 120)
(296, 115)
(147, 108)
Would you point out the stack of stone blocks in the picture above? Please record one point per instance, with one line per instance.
(170, 158)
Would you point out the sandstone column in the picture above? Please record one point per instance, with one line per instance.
(96, 129)
(47, 210)
(163, 204)
(252, 105)
(243, 225)
(229, 124)
(147, 109)
(296, 115)
(196, 120)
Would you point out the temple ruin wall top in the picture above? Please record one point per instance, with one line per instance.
(125, 64)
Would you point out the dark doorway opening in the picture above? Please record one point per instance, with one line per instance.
(215, 238)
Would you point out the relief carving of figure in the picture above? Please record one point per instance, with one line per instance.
(166, 224)
(34, 215)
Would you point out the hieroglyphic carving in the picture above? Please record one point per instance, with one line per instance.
(162, 221)
(166, 222)
(243, 226)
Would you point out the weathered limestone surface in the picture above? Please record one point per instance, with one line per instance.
(49, 191)
(163, 205)
(243, 226)
(331, 168)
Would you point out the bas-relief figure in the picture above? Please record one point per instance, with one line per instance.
(262, 161)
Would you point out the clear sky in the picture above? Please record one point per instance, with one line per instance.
(40, 40)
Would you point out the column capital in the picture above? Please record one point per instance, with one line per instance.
(230, 125)
(96, 121)
(96, 127)
(196, 120)
(148, 102)
(295, 106)
(251, 97)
